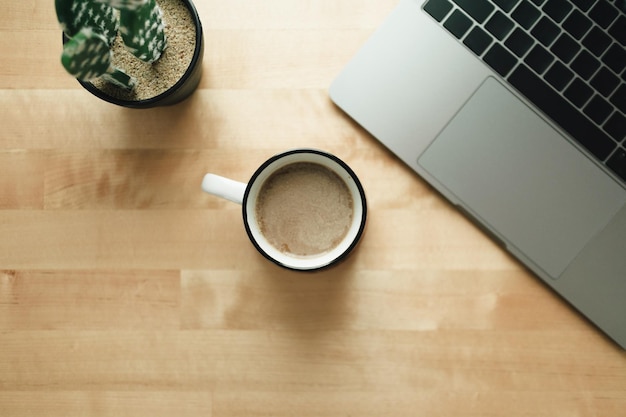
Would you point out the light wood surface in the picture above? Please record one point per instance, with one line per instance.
(126, 291)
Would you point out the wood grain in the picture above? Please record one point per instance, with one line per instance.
(126, 291)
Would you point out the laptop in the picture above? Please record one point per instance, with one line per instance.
(515, 111)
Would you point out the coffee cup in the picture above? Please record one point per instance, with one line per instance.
(303, 209)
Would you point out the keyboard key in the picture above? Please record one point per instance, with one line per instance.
(616, 127)
(557, 9)
(539, 59)
(618, 30)
(558, 76)
(525, 14)
(565, 47)
(585, 65)
(596, 41)
(438, 9)
(519, 42)
(605, 82)
(615, 58)
(603, 14)
(617, 163)
(478, 9)
(577, 24)
(598, 109)
(499, 25)
(538, 2)
(506, 5)
(478, 40)
(578, 92)
(458, 24)
(501, 60)
(619, 98)
(583, 5)
(545, 31)
(562, 112)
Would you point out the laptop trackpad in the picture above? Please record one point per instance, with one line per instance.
(510, 169)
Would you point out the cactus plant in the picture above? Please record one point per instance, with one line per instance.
(92, 26)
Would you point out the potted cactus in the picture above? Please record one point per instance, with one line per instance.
(103, 37)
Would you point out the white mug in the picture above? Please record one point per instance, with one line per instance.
(247, 194)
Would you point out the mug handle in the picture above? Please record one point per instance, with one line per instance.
(224, 187)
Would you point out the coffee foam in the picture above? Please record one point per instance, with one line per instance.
(304, 209)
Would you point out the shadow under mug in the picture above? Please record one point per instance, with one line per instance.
(247, 195)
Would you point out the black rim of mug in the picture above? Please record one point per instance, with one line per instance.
(332, 157)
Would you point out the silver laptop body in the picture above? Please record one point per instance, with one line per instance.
(501, 160)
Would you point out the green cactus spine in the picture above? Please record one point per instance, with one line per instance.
(143, 30)
(87, 56)
(92, 25)
(74, 15)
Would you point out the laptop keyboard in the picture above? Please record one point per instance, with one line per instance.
(568, 57)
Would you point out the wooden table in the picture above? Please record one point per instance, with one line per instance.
(126, 291)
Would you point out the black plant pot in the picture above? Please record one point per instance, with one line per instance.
(183, 88)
